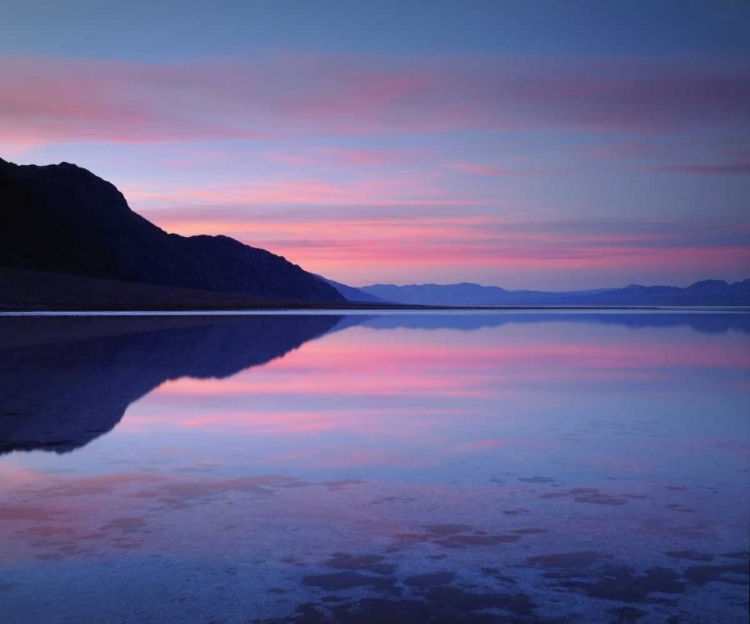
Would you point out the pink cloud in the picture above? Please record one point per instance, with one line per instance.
(483, 170)
(366, 157)
(399, 190)
(418, 240)
(56, 100)
(622, 150)
(742, 168)
(672, 157)
(48, 101)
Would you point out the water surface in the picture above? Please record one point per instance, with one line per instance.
(481, 467)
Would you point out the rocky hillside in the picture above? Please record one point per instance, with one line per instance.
(64, 219)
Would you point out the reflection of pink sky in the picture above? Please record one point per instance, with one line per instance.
(483, 445)
(408, 398)
(86, 518)
(379, 433)
(386, 367)
(237, 418)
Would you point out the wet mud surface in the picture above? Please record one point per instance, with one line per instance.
(435, 572)
(286, 471)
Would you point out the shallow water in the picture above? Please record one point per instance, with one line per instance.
(483, 467)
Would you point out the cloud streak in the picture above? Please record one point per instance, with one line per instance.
(371, 244)
(730, 169)
(57, 100)
(368, 168)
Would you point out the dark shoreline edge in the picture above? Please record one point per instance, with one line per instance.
(177, 309)
(24, 291)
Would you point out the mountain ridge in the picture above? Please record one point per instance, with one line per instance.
(65, 219)
(353, 294)
(705, 292)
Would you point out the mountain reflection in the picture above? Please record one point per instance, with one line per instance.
(404, 468)
(704, 322)
(65, 381)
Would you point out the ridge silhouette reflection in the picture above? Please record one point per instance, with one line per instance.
(479, 467)
(65, 381)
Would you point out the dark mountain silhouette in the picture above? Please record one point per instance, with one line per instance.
(705, 293)
(65, 381)
(64, 219)
(42, 290)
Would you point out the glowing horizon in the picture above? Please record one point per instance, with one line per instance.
(543, 161)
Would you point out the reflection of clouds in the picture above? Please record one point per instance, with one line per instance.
(403, 398)
(76, 517)
(67, 389)
(347, 382)
(433, 450)
(387, 368)
(500, 443)
(398, 422)
(738, 447)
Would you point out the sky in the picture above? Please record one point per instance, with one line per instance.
(525, 144)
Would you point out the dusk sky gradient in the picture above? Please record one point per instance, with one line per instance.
(535, 144)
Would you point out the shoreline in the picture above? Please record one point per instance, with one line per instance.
(306, 309)
(44, 293)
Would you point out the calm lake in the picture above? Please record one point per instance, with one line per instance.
(474, 467)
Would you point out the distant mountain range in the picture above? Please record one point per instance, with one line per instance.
(64, 219)
(59, 221)
(355, 295)
(705, 293)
